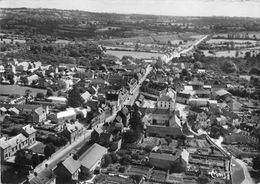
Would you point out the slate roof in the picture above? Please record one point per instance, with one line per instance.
(161, 111)
(73, 127)
(71, 164)
(42, 177)
(16, 139)
(3, 143)
(183, 95)
(221, 92)
(92, 156)
(29, 129)
(165, 98)
(125, 111)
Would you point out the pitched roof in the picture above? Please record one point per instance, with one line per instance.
(161, 111)
(98, 130)
(86, 95)
(125, 111)
(67, 113)
(185, 155)
(16, 139)
(118, 119)
(92, 155)
(71, 164)
(183, 95)
(29, 129)
(221, 92)
(39, 111)
(165, 98)
(3, 143)
(202, 92)
(196, 82)
(73, 127)
(43, 177)
(57, 98)
(13, 109)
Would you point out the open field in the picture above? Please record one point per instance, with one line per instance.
(139, 55)
(162, 39)
(250, 34)
(236, 41)
(232, 53)
(20, 90)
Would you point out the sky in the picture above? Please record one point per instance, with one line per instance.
(241, 8)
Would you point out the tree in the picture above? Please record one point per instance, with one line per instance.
(129, 137)
(256, 163)
(49, 92)
(159, 63)
(113, 157)
(121, 169)
(35, 160)
(27, 92)
(106, 161)
(136, 178)
(237, 53)
(136, 126)
(191, 117)
(49, 150)
(24, 80)
(203, 179)
(197, 65)
(229, 67)
(135, 121)
(40, 95)
(74, 98)
(11, 79)
(20, 158)
(247, 55)
(255, 71)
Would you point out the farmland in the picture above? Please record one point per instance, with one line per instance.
(134, 54)
(232, 53)
(157, 38)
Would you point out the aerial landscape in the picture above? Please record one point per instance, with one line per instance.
(130, 92)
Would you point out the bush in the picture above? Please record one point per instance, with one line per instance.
(106, 161)
(229, 67)
(121, 169)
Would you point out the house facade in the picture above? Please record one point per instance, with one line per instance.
(30, 133)
(72, 131)
(10, 146)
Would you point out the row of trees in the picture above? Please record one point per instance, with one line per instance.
(136, 127)
(26, 157)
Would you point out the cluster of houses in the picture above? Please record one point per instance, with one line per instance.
(167, 152)
(49, 116)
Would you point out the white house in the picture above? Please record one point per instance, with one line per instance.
(64, 116)
(58, 100)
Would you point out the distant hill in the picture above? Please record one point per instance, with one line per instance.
(75, 23)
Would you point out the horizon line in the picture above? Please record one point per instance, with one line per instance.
(121, 13)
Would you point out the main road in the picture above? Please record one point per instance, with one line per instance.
(177, 54)
(134, 92)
